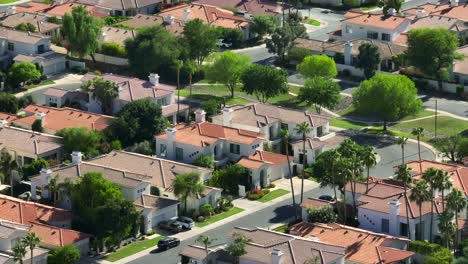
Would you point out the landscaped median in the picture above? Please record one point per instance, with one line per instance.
(133, 249)
(219, 217)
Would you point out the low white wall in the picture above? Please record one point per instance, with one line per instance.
(354, 71)
(446, 87)
(109, 59)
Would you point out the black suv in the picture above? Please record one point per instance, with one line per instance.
(172, 226)
(167, 243)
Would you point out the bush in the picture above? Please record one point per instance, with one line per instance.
(441, 256)
(322, 215)
(34, 168)
(37, 126)
(424, 247)
(352, 3)
(206, 210)
(253, 196)
(298, 54)
(272, 185)
(150, 233)
(204, 161)
(113, 49)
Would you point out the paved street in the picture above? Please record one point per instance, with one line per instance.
(455, 107)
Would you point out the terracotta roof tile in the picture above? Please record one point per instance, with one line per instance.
(142, 20)
(260, 157)
(254, 7)
(377, 20)
(8, 117)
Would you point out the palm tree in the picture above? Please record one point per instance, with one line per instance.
(404, 175)
(402, 142)
(420, 194)
(429, 176)
(206, 241)
(456, 202)
(177, 66)
(31, 241)
(442, 182)
(187, 185)
(53, 188)
(418, 132)
(191, 68)
(352, 172)
(103, 91)
(285, 142)
(19, 251)
(304, 129)
(7, 164)
(369, 159)
(446, 227)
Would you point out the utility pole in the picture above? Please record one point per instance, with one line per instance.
(435, 119)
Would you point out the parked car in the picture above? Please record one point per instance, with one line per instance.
(171, 226)
(186, 222)
(167, 243)
(326, 198)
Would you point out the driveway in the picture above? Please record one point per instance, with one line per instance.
(332, 21)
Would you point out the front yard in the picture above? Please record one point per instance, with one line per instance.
(218, 217)
(273, 195)
(133, 249)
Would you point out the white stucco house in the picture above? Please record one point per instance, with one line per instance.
(19, 46)
(184, 143)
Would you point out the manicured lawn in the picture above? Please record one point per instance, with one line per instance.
(445, 125)
(273, 195)
(346, 124)
(133, 249)
(281, 228)
(205, 97)
(422, 113)
(7, 1)
(313, 22)
(218, 217)
(46, 82)
(367, 8)
(394, 132)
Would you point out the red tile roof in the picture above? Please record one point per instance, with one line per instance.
(59, 118)
(458, 12)
(8, 117)
(377, 20)
(260, 157)
(254, 7)
(362, 246)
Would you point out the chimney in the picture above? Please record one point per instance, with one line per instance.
(187, 14)
(45, 175)
(103, 36)
(227, 116)
(276, 256)
(393, 217)
(348, 48)
(169, 19)
(3, 123)
(154, 79)
(200, 116)
(41, 117)
(392, 12)
(77, 157)
(420, 13)
(454, 3)
(171, 137)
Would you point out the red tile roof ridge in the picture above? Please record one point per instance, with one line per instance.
(14, 199)
(38, 107)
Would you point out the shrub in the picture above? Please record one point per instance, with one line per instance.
(423, 247)
(272, 185)
(346, 73)
(34, 168)
(204, 161)
(441, 256)
(322, 215)
(298, 54)
(206, 210)
(37, 126)
(253, 196)
(352, 3)
(113, 49)
(151, 232)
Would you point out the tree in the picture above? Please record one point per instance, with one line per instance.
(263, 25)
(25, 100)
(395, 94)
(237, 247)
(68, 254)
(405, 176)
(7, 164)
(304, 129)
(229, 178)
(429, 176)
(402, 142)
(138, 121)
(352, 172)
(177, 65)
(298, 30)
(418, 132)
(37, 126)
(284, 134)
(31, 241)
(232, 36)
(82, 32)
(317, 66)
(456, 201)
(280, 42)
(103, 91)
(34, 168)
(388, 4)
(188, 185)
(369, 159)
(204, 161)
(26, 27)
(227, 68)
(101, 209)
(320, 92)
(368, 59)
(81, 139)
(446, 227)
(143, 147)
(462, 149)
(8, 103)
(153, 49)
(191, 68)
(442, 182)
(21, 72)
(200, 38)
(298, 54)
(206, 241)
(433, 51)
(325, 169)
(53, 188)
(420, 194)
(19, 251)
(324, 215)
(264, 81)
(449, 146)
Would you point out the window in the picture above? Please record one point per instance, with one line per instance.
(319, 131)
(385, 225)
(403, 229)
(284, 126)
(372, 35)
(163, 149)
(301, 158)
(179, 154)
(234, 148)
(11, 46)
(385, 37)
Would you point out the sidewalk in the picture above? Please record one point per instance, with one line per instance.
(247, 205)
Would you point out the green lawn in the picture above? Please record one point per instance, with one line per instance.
(273, 195)
(445, 125)
(346, 124)
(313, 22)
(205, 97)
(133, 249)
(281, 228)
(218, 217)
(46, 82)
(7, 1)
(422, 113)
